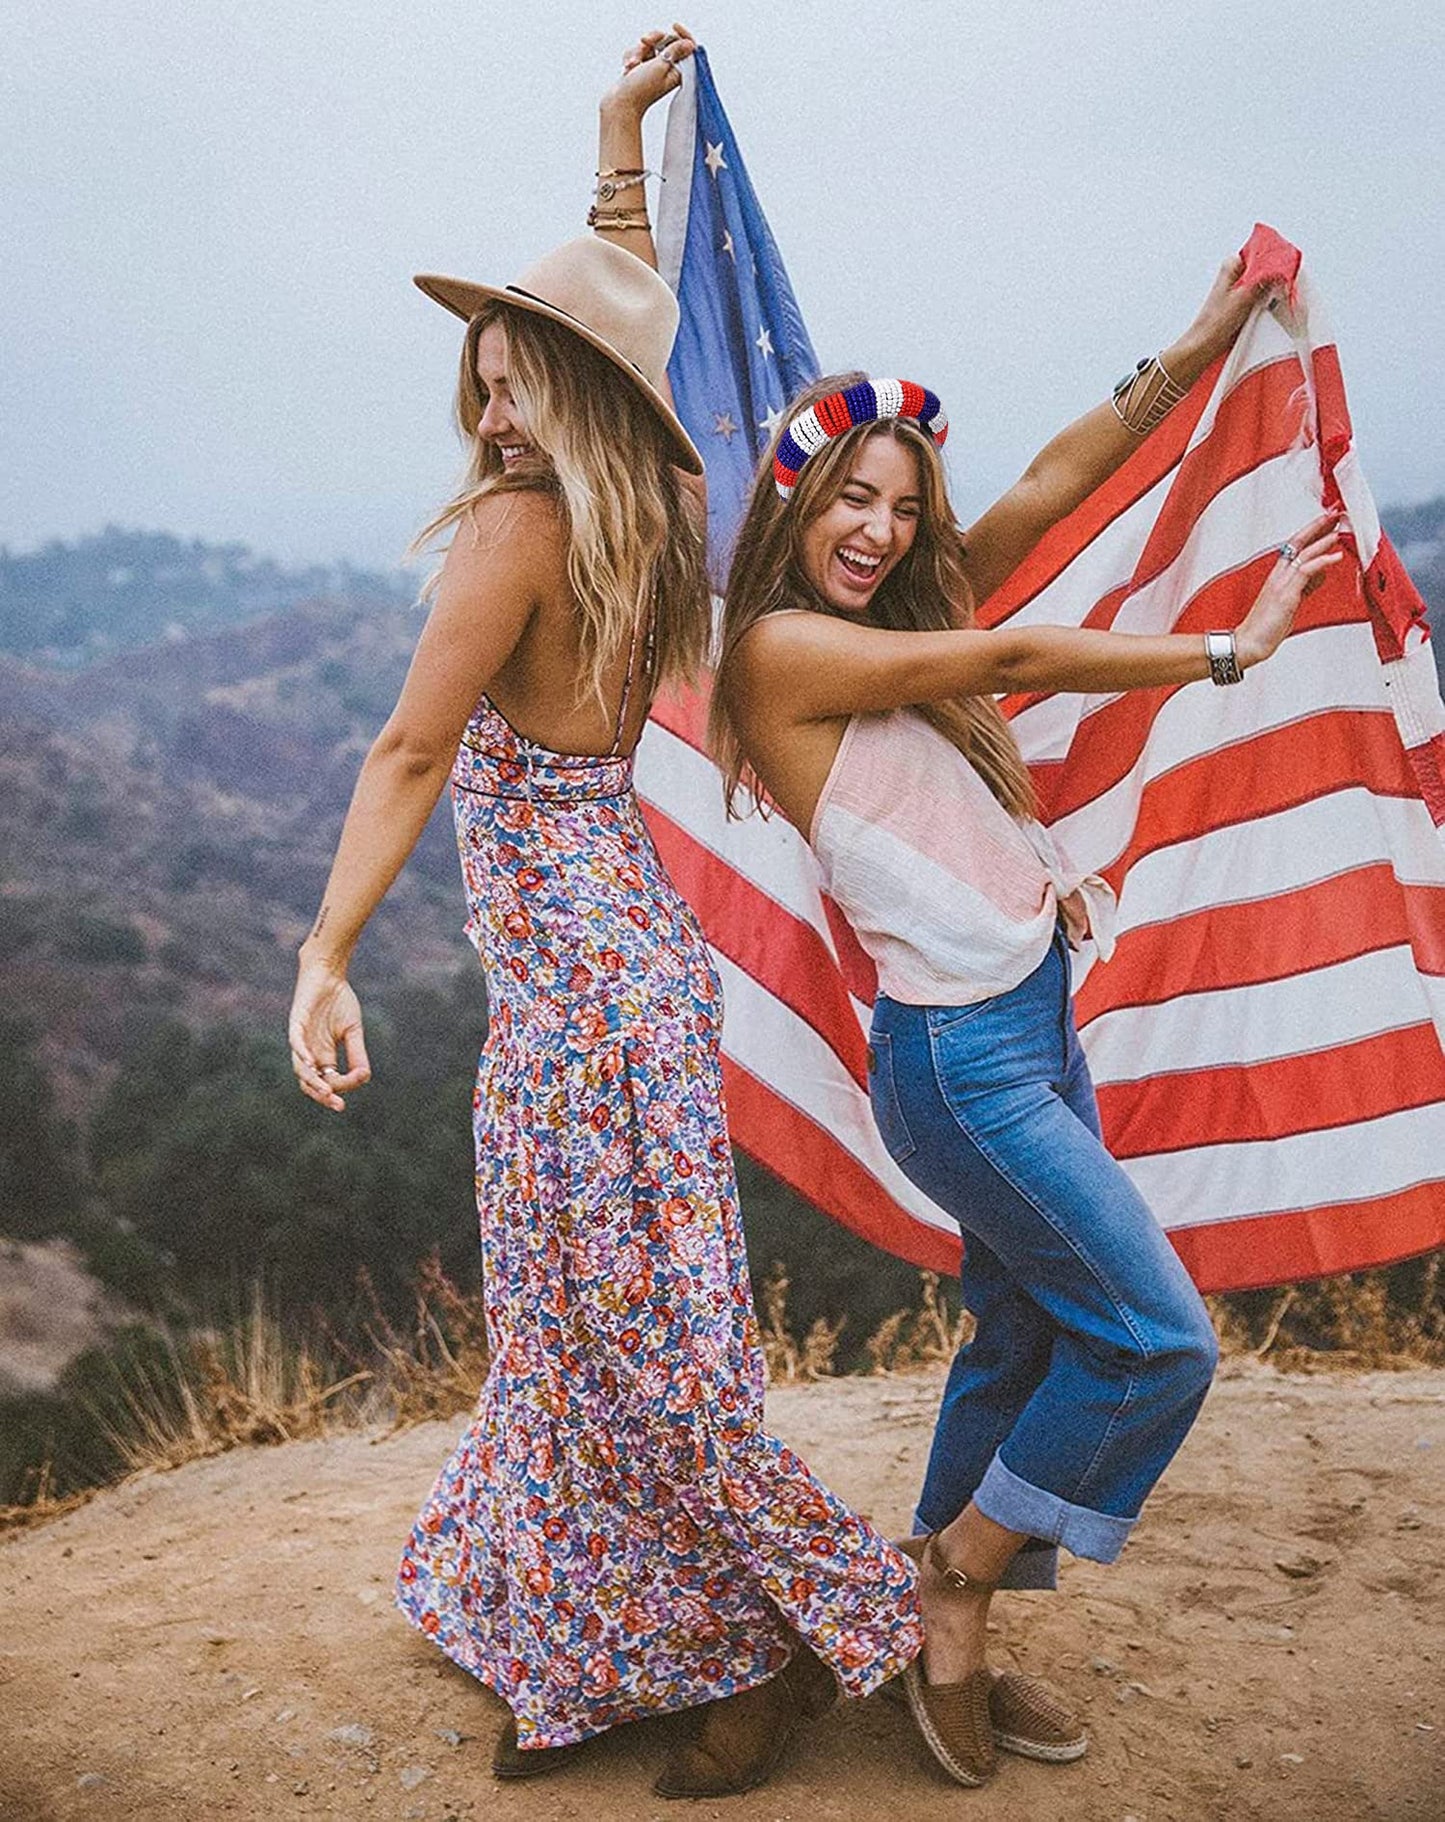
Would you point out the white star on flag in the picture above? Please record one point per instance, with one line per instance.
(764, 343)
(729, 248)
(769, 424)
(724, 426)
(714, 159)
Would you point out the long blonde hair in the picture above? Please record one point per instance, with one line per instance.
(635, 543)
(927, 591)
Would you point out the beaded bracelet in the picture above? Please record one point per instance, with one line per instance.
(610, 182)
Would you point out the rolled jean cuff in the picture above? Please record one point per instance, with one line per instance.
(1017, 1505)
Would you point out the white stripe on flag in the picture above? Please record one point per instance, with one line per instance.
(1317, 1011)
(776, 1046)
(1355, 1163)
(1252, 862)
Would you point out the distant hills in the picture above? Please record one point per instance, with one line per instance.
(70, 604)
(167, 814)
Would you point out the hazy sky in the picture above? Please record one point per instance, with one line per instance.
(209, 215)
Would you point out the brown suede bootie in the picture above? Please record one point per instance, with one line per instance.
(743, 1737)
(509, 1761)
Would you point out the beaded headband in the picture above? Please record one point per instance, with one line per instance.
(840, 411)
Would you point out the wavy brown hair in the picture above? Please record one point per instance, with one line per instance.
(927, 591)
(635, 539)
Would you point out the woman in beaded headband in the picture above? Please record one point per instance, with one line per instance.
(855, 693)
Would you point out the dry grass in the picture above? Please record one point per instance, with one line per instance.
(244, 1386)
(904, 1340)
(1365, 1319)
(436, 1368)
(789, 1359)
(921, 1337)
(42, 1503)
(253, 1384)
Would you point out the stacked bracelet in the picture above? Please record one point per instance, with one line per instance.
(617, 218)
(610, 182)
(1223, 658)
(1145, 396)
(607, 213)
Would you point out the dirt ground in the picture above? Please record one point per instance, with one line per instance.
(219, 1641)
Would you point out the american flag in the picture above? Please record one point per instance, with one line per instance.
(1268, 1041)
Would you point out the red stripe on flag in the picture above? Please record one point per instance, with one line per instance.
(684, 712)
(1270, 772)
(1260, 420)
(1284, 1248)
(1058, 547)
(1275, 1099)
(1243, 945)
(1109, 741)
(1428, 760)
(783, 954)
(1331, 406)
(809, 1160)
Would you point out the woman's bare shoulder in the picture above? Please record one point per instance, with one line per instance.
(518, 530)
(791, 634)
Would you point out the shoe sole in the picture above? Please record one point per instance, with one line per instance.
(1026, 1748)
(932, 1739)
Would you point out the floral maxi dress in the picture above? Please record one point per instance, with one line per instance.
(615, 1534)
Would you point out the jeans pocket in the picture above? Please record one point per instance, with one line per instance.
(948, 1018)
(898, 1141)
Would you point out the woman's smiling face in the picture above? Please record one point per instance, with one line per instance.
(853, 543)
(501, 422)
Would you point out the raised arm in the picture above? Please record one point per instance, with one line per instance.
(818, 666)
(1084, 454)
(649, 71)
(485, 599)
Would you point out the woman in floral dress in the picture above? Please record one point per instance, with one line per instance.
(615, 1535)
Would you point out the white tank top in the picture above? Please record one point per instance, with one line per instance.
(954, 899)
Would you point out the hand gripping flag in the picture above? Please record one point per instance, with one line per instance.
(1268, 1041)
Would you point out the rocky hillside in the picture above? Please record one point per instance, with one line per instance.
(166, 815)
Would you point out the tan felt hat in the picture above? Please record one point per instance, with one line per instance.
(602, 293)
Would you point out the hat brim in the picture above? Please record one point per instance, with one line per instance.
(465, 299)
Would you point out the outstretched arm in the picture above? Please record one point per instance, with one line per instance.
(1084, 454)
(649, 71)
(823, 666)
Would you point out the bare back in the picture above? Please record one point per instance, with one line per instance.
(542, 687)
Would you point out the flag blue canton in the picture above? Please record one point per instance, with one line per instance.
(742, 349)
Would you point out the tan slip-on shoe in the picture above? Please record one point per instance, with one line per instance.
(1031, 1718)
(954, 1721)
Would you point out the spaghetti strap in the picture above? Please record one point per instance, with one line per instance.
(622, 706)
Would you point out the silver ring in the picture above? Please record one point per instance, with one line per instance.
(1288, 552)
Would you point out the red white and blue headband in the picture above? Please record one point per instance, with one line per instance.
(864, 403)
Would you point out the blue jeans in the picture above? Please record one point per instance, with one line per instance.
(1093, 1350)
